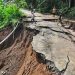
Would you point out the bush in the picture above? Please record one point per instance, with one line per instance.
(71, 13)
(9, 13)
(21, 3)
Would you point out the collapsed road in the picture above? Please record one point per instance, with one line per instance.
(20, 59)
(41, 48)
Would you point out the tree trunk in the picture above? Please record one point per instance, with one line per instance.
(69, 3)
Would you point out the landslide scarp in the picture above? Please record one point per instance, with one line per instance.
(20, 59)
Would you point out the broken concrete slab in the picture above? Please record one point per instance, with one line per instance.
(55, 43)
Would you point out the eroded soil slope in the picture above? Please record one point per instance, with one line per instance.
(20, 59)
(5, 32)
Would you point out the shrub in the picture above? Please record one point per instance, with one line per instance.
(21, 3)
(71, 13)
(9, 13)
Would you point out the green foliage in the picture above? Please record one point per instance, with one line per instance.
(21, 3)
(63, 9)
(9, 13)
(45, 6)
(71, 13)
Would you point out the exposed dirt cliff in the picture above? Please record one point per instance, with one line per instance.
(20, 59)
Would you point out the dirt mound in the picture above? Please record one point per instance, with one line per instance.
(20, 59)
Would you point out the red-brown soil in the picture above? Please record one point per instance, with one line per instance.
(20, 59)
